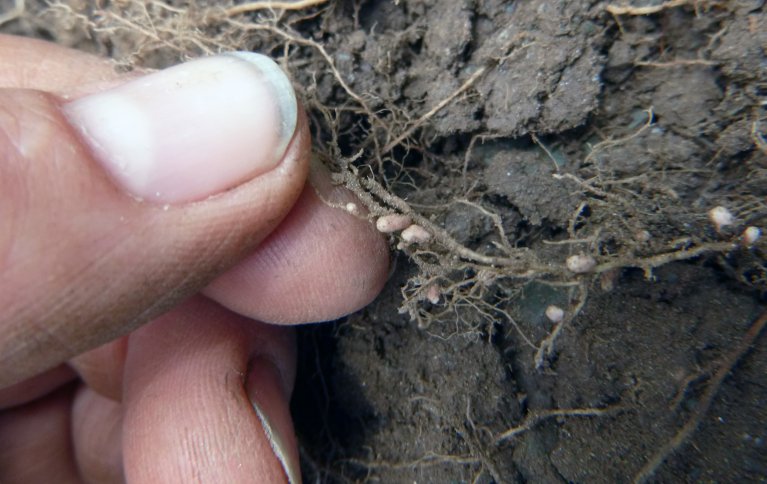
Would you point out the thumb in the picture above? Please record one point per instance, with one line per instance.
(119, 204)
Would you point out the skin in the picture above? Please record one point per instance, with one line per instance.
(112, 363)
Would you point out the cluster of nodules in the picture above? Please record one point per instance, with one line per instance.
(724, 221)
(411, 233)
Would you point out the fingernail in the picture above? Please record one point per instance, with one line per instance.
(192, 130)
(269, 394)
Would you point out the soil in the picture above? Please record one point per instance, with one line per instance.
(526, 132)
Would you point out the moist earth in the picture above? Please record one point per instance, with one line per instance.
(546, 129)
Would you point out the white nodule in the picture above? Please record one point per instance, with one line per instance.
(555, 313)
(352, 208)
(581, 263)
(720, 217)
(433, 293)
(415, 234)
(751, 235)
(393, 223)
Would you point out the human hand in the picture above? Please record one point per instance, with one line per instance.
(111, 216)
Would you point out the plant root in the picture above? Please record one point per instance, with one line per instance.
(535, 417)
(726, 365)
(272, 5)
(649, 10)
